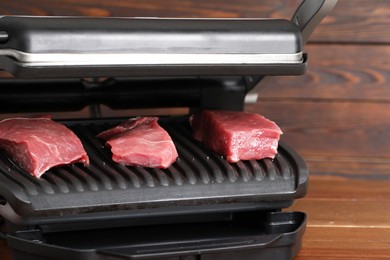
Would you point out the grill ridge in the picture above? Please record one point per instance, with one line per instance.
(7, 168)
(243, 170)
(70, 179)
(257, 170)
(186, 154)
(186, 170)
(175, 175)
(147, 177)
(85, 178)
(128, 175)
(283, 167)
(56, 182)
(161, 176)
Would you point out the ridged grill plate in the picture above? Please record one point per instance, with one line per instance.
(199, 176)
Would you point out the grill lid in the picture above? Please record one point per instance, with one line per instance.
(106, 47)
(41, 47)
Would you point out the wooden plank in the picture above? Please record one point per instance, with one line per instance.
(359, 168)
(345, 213)
(346, 203)
(340, 72)
(5, 252)
(345, 243)
(151, 8)
(351, 20)
(359, 21)
(331, 129)
(347, 219)
(330, 188)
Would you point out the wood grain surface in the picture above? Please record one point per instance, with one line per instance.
(348, 219)
(337, 115)
(352, 21)
(337, 72)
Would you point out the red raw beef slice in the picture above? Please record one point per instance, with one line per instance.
(140, 142)
(38, 144)
(127, 125)
(237, 135)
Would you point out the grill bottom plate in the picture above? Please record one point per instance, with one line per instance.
(198, 177)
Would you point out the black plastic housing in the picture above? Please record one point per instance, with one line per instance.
(258, 235)
(19, 95)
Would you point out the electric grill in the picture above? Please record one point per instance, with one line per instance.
(202, 207)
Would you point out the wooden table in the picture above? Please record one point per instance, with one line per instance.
(337, 116)
(348, 219)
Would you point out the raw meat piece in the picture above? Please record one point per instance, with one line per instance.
(140, 142)
(38, 144)
(237, 135)
(127, 125)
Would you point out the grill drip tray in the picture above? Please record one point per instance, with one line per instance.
(200, 180)
(252, 236)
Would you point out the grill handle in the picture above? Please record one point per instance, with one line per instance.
(309, 15)
(191, 249)
(251, 234)
(280, 230)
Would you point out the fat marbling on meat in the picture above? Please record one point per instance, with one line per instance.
(142, 142)
(38, 144)
(236, 135)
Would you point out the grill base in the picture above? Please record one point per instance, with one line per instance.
(255, 235)
(199, 177)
